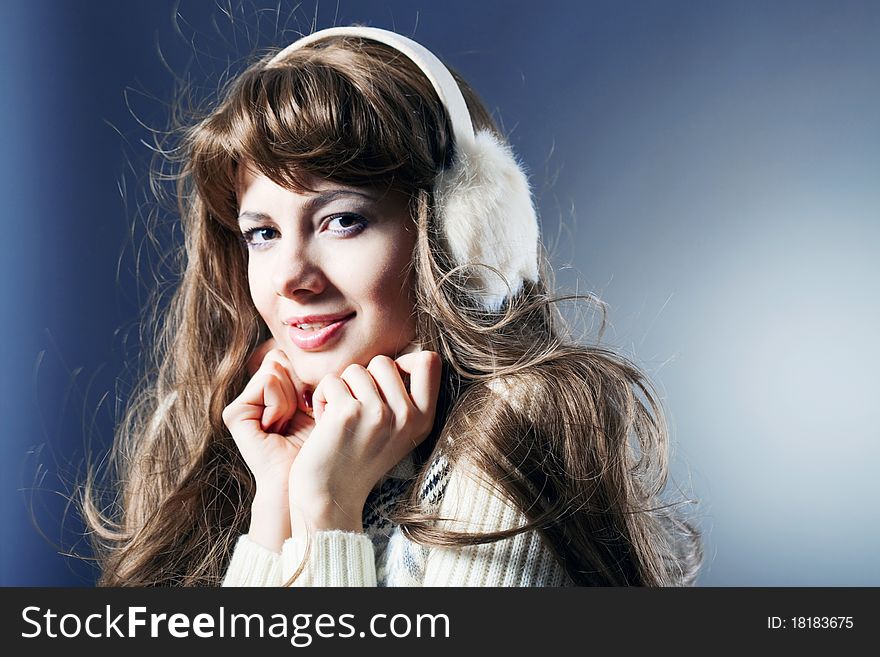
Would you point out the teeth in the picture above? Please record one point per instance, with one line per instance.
(313, 327)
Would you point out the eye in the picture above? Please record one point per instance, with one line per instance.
(348, 223)
(257, 237)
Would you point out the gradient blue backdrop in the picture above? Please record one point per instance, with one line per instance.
(710, 169)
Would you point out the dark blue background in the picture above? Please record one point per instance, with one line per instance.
(710, 169)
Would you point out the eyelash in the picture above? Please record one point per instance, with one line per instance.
(248, 235)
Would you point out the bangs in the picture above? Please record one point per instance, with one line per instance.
(308, 118)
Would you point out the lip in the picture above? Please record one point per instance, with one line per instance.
(314, 319)
(312, 340)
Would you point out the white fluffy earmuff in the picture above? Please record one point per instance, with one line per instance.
(484, 203)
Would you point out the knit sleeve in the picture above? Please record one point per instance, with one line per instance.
(253, 565)
(330, 558)
(469, 504)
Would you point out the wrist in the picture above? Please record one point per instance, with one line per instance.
(270, 520)
(275, 497)
(325, 517)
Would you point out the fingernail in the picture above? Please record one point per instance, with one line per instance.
(307, 398)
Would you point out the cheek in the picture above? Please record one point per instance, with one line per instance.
(395, 293)
(261, 293)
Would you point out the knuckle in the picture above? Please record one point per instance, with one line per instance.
(353, 368)
(430, 358)
(377, 416)
(381, 361)
(276, 365)
(273, 358)
(409, 421)
(352, 409)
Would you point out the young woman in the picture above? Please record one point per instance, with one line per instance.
(363, 379)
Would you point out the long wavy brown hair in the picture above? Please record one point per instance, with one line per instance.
(570, 433)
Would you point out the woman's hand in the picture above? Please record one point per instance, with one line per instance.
(269, 429)
(367, 421)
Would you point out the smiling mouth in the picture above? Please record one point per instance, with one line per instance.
(317, 335)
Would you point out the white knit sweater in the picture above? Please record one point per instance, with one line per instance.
(383, 556)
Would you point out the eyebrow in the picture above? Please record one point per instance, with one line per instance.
(314, 202)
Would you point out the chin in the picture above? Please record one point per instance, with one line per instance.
(316, 367)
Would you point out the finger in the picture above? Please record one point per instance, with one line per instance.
(302, 392)
(361, 384)
(278, 359)
(412, 348)
(266, 409)
(248, 406)
(330, 390)
(280, 366)
(388, 377)
(275, 402)
(299, 429)
(279, 395)
(425, 369)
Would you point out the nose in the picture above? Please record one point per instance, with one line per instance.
(296, 271)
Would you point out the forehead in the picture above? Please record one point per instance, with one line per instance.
(247, 176)
(249, 179)
(254, 189)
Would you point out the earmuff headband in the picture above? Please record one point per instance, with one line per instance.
(433, 68)
(483, 202)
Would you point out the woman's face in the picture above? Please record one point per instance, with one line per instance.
(343, 252)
